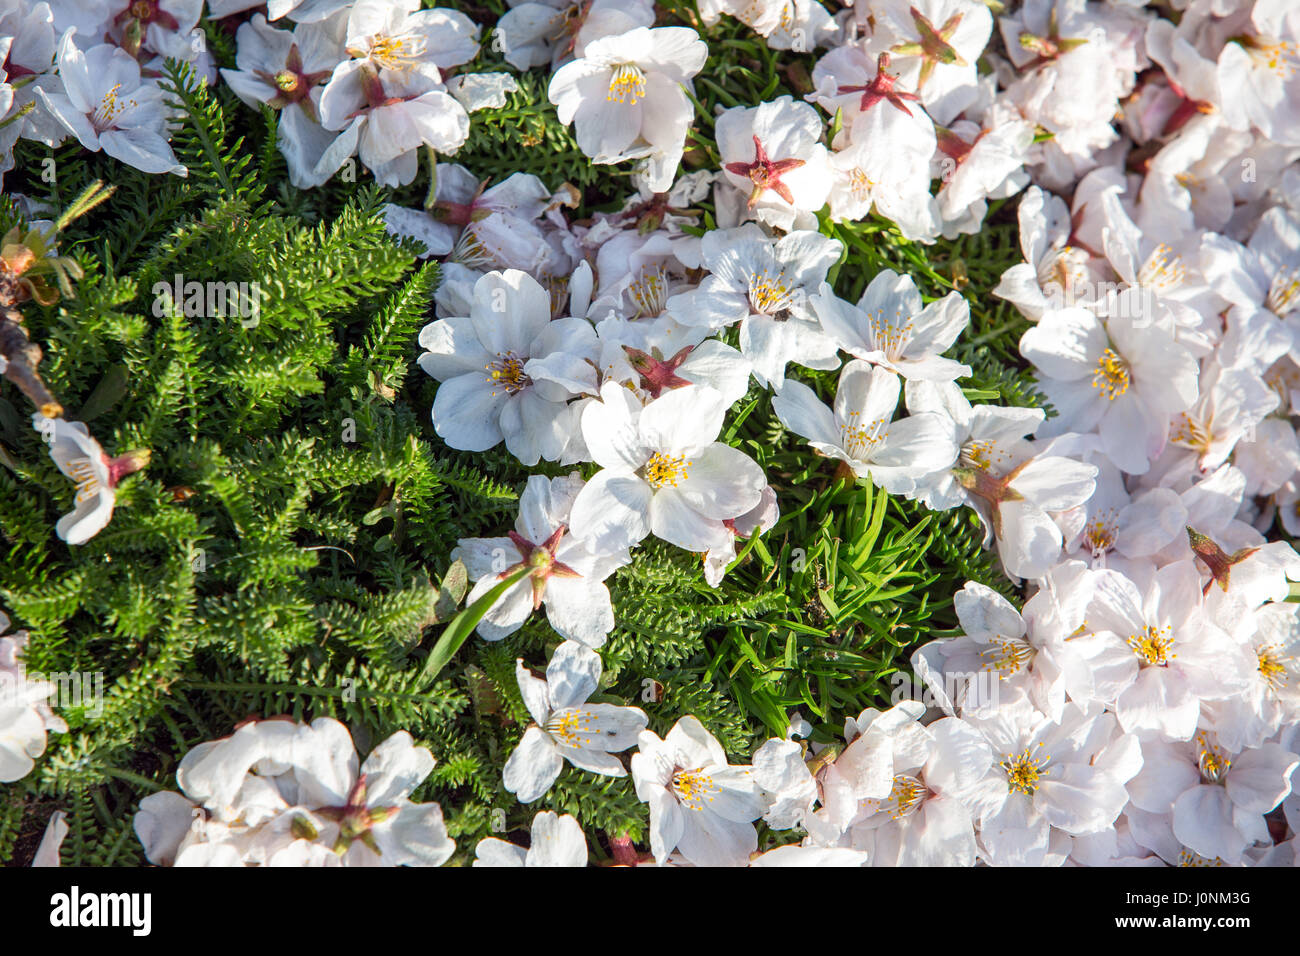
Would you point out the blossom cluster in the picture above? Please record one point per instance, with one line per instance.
(1141, 709)
(370, 79)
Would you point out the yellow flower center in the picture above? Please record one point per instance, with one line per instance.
(1024, 771)
(83, 473)
(787, 15)
(769, 294)
(571, 727)
(1272, 666)
(1283, 292)
(693, 788)
(860, 440)
(981, 453)
(394, 52)
(891, 337)
(508, 372)
(1192, 432)
(663, 470)
(1282, 58)
(1214, 763)
(287, 81)
(110, 108)
(1189, 859)
(1163, 271)
(908, 794)
(1112, 375)
(1007, 655)
(860, 185)
(626, 84)
(1099, 533)
(473, 252)
(1152, 645)
(649, 292)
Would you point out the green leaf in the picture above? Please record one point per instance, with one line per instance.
(462, 625)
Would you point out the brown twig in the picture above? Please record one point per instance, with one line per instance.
(22, 357)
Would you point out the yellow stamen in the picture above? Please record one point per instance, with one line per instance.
(393, 52)
(1099, 533)
(1007, 655)
(1272, 666)
(860, 185)
(626, 84)
(1214, 763)
(1283, 292)
(693, 788)
(663, 470)
(571, 727)
(860, 440)
(908, 794)
(83, 473)
(1112, 375)
(508, 371)
(1023, 772)
(649, 292)
(891, 337)
(1163, 271)
(769, 295)
(1152, 645)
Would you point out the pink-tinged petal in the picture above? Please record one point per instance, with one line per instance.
(1166, 775)
(417, 836)
(1260, 778)
(141, 148)
(1030, 542)
(1159, 701)
(710, 840)
(70, 117)
(673, 520)
(866, 394)
(693, 746)
(920, 444)
(47, 854)
(594, 761)
(1056, 484)
(161, 823)
(667, 824)
(452, 349)
(509, 612)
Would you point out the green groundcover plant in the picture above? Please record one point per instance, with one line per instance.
(286, 523)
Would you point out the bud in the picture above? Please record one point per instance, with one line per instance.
(128, 464)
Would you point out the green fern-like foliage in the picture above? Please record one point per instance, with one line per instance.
(284, 551)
